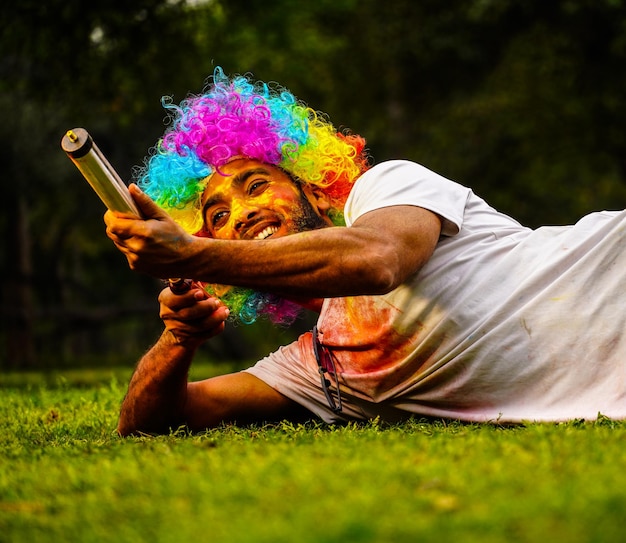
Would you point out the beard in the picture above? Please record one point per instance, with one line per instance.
(247, 305)
(307, 217)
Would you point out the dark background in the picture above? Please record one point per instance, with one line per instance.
(521, 100)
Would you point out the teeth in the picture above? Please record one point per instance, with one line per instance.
(266, 232)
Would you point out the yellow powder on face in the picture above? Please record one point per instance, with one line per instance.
(280, 195)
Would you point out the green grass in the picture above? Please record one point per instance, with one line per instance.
(66, 476)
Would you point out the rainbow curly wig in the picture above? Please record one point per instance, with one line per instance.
(237, 117)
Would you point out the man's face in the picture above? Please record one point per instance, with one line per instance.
(251, 200)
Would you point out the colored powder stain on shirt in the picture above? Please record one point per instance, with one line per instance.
(380, 342)
(360, 332)
(500, 324)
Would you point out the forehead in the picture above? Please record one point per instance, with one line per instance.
(233, 175)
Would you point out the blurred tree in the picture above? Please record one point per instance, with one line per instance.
(65, 64)
(519, 99)
(541, 136)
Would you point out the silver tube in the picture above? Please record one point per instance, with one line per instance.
(105, 181)
(85, 154)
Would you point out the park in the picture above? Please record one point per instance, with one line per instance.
(522, 101)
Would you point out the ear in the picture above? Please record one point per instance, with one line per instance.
(318, 198)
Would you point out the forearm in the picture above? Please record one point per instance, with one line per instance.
(374, 256)
(157, 391)
(321, 263)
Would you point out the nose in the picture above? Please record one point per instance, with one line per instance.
(244, 218)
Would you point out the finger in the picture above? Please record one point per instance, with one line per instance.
(193, 336)
(147, 206)
(177, 302)
(186, 307)
(203, 309)
(208, 326)
(117, 225)
(201, 294)
(218, 317)
(121, 247)
(198, 329)
(110, 220)
(197, 292)
(113, 234)
(108, 217)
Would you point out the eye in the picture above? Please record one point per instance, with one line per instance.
(257, 186)
(217, 218)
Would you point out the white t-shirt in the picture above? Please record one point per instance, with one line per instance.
(503, 323)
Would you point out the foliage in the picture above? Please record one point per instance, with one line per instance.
(65, 475)
(521, 100)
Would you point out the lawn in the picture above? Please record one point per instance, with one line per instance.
(66, 476)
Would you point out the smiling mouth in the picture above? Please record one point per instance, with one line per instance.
(266, 232)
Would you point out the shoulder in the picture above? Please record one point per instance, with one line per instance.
(396, 168)
(403, 182)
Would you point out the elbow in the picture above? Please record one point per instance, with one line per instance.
(378, 273)
(129, 426)
(124, 431)
(126, 428)
(389, 266)
(383, 280)
(127, 423)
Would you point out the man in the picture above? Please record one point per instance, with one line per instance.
(431, 302)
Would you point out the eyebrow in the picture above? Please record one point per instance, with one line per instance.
(237, 181)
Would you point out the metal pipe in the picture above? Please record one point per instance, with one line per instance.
(85, 154)
(108, 185)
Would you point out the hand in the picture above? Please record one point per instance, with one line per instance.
(193, 317)
(154, 244)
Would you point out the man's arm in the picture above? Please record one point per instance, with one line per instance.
(373, 256)
(159, 396)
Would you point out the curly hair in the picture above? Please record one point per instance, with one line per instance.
(238, 117)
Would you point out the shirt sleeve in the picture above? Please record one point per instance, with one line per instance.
(401, 182)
